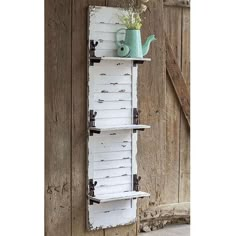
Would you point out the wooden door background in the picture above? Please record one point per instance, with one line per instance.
(163, 151)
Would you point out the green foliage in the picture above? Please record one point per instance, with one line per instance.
(134, 10)
(132, 21)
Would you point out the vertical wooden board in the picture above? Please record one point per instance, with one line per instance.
(184, 185)
(186, 45)
(128, 230)
(171, 191)
(117, 3)
(173, 27)
(151, 98)
(58, 118)
(79, 116)
(171, 169)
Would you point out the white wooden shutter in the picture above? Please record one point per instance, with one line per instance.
(112, 139)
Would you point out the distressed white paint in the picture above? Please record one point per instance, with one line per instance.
(119, 127)
(113, 156)
(112, 93)
(119, 196)
(114, 181)
(123, 59)
(108, 219)
(110, 173)
(112, 206)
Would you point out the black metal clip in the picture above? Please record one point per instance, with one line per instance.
(135, 116)
(136, 119)
(93, 58)
(138, 62)
(92, 122)
(93, 46)
(92, 118)
(136, 180)
(92, 189)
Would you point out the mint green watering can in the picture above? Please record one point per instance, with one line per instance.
(132, 46)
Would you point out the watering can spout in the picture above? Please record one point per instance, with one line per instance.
(146, 45)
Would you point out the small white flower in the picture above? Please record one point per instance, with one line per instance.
(143, 8)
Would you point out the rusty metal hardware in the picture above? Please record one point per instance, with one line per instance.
(92, 118)
(92, 190)
(92, 122)
(136, 113)
(92, 187)
(135, 116)
(136, 180)
(92, 49)
(93, 46)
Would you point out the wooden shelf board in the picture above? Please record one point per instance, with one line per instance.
(119, 127)
(118, 196)
(121, 59)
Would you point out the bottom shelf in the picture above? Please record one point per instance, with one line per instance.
(118, 196)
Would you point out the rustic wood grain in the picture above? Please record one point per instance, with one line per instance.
(79, 116)
(151, 98)
(177, 3)
(169, 212)
(171, 169)
(177, 80)
(57, 118)
(128, 230)
(184, 182)
(186, 46)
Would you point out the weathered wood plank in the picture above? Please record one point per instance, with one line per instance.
(79, 116)
(171, 166)
(152, 101)
(184, 184)
(57, 118)
(177, 80)
(186, 46)
(128, 230)
(177, 3)
(167, 214)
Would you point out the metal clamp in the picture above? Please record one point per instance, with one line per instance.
(93, 46)
(138, 62)
(92, 122)
(136, 113)
(92, 189)
(92, 115)
(136, 180)
(93, 58)
(135, 116)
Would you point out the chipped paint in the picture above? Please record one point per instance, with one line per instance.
(112, 93)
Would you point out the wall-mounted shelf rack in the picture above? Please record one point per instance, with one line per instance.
(113, 119)
(118, 196)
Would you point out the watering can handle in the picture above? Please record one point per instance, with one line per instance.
(118, 43)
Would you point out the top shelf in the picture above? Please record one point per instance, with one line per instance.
(135, 60)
